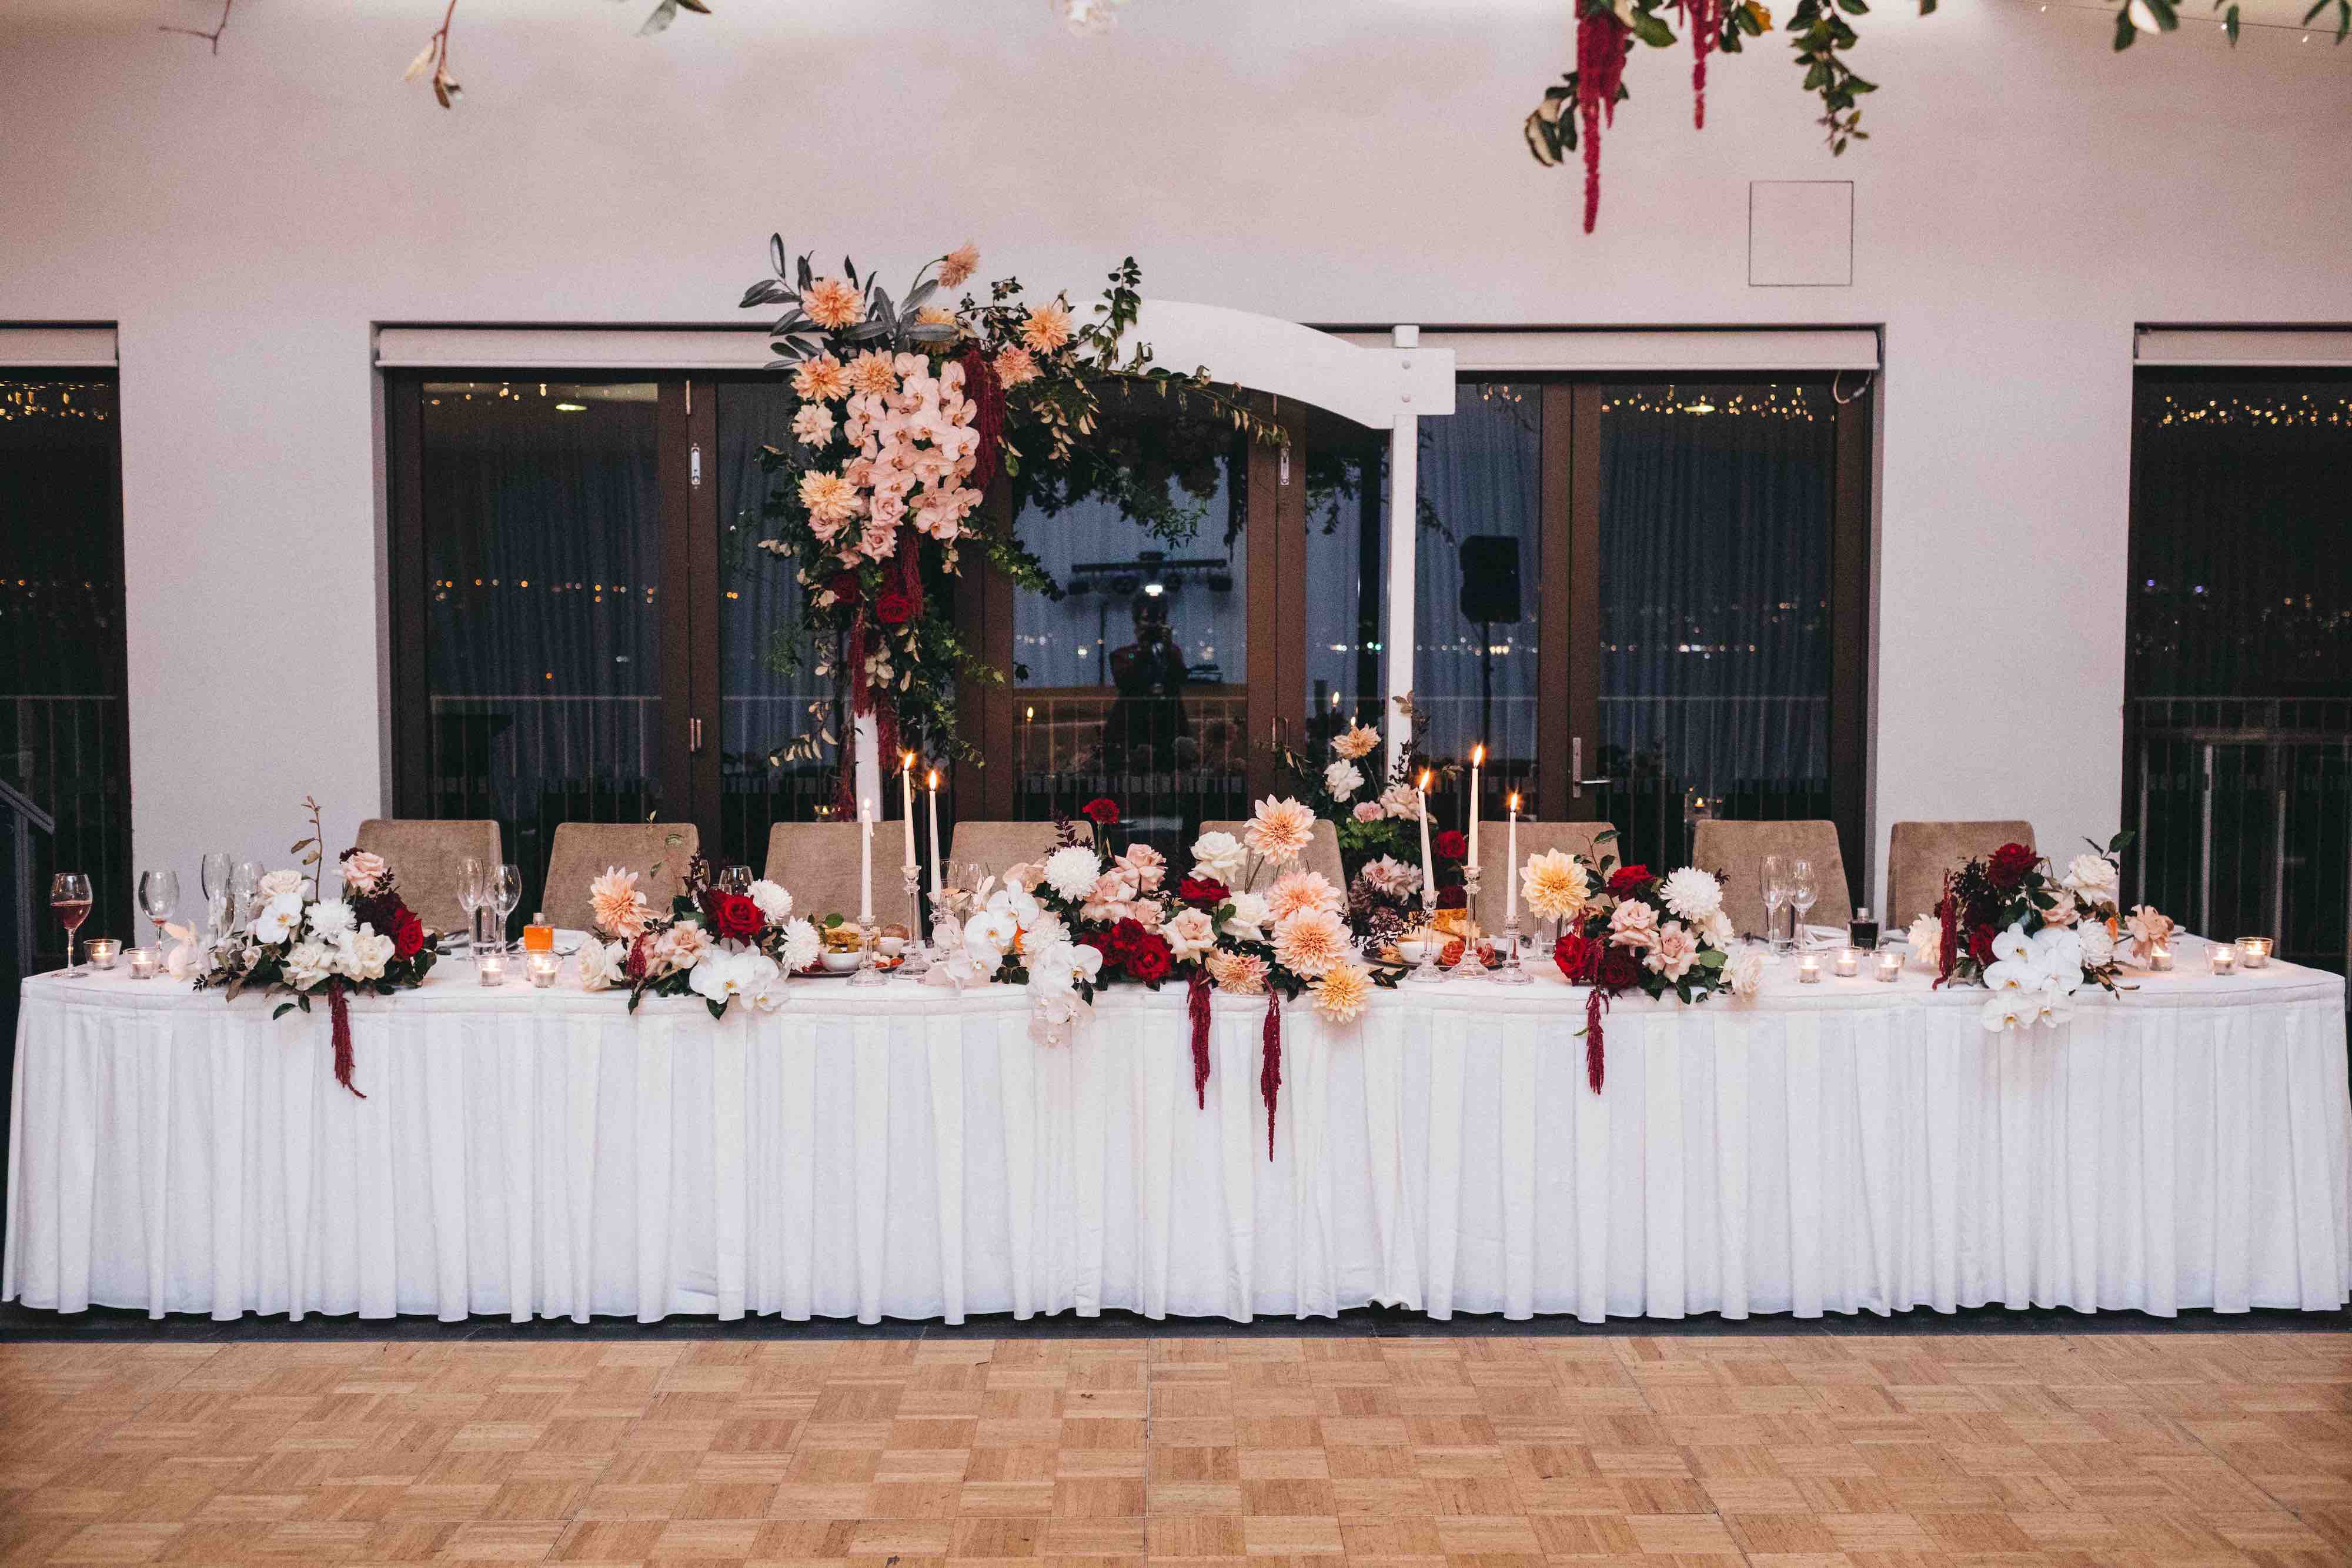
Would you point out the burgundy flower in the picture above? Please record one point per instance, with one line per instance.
(1452, 844)
(1620, 970)
(734, 916)
(1453, 897)
(1980, 944)
(894, 608)
(1203, 892)
(1577, 956)
(1102, 812)
(1150, 958)
(845, 587)
(1626, 879)
(407, 933)
(2008, 865)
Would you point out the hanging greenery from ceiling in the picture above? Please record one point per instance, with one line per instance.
(1574, 109)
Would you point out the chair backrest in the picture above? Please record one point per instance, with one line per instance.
(816, 863)
(1535, 839)
(427, 857)
(1735, 852)
(583, 852)
(1322, 854)
(1001, 845)
(1919, 853)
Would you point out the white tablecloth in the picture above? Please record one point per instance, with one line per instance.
(904, 1152)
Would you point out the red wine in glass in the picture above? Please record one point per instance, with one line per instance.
(69, 901)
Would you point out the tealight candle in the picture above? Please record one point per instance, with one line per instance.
(101, 952)
(2254, 952)
(1849, 963)
(491, 968)
(1890, 966)
(1808, 969)
(2159, 958)
(542, 968)
(143, 961)
(2225, 958)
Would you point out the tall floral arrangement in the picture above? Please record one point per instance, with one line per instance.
(907, 411)
(2034, 936)
(1625, 928)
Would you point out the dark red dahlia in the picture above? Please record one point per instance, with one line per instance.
(1628, 878)
(1102, 812)
(1620, 969)
(2008, 865)
(1452, 844)
(1203, 892)
(895, 608)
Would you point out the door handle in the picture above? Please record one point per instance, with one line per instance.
(1577, 782)
(694, 737)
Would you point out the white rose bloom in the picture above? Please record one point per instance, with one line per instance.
(773, 901)
(362, 955)
(2094, 876)
(1402, 801)
(801, 945)
(1717, 931)
(331, 918)
(278, 919)
(308, 964)
(1071, 872)
(1745, 974)
(284, 884)
(603, 965)
(1927, 938)
(1248, 919)
(1219, 856)
(1343, 779)
(1692, 894)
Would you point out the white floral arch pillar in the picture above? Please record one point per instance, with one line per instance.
(1390, 388)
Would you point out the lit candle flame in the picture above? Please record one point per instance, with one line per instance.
(1478, 754)
(906, 759)
(935, 777)
(1515, 799)
(1424, 780)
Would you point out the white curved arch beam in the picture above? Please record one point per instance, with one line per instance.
(1372, 386)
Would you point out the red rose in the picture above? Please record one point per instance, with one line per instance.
(1203, 892)
(894, 607)
(2008, 865)
(734, 916)
(1575, 956)
(1102, 812)
(407, 933)
(1626, 879)
(1453, 897)
(1453, 845)
(1149, 959)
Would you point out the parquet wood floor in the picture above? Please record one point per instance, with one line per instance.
(1816, 1451)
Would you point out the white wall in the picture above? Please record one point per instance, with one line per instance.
(2026, 197)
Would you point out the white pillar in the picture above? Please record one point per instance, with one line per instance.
(868, 741)
(1404, 507)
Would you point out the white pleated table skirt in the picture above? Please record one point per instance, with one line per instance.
(909, 1153)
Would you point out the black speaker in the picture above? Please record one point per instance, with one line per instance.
(1490, 578)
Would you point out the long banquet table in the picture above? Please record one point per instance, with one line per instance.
(907, 1152)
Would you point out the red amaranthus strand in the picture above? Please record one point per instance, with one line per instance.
(987, 395)
(1603, 43)
(1596, 1002)
(1269, 1074)
(338, 1016)
(1196, 1009)
(1705, 20)
(1947, 946)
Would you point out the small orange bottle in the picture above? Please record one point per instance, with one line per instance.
(539, 936)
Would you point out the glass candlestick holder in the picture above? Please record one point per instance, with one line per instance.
(1512, 972)
(915, 962)
(1427, 973)
(866, 973)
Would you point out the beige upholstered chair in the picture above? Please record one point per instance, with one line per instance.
(583, 852)
(998, 845)
(816, 863)
(1919, 853)
(1322, 853)
(1735, 852)
(1535, 839)
(426, 857)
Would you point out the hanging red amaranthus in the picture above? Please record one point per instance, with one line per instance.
(1596, 1002)
(987, 395)
(1196, 1009)
(1603, 44)
(338, 1027)
(1705, 20)
(1269, 1072)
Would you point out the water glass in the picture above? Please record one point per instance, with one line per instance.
(244, 893)
(158, 894)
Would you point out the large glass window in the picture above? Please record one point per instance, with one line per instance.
(2238, 767)
(1345, 560)
(65, 791)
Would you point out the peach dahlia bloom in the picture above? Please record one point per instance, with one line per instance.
(1280, 830)
(829, 498)
(959, 265)
(820, 378)
(872, 373)
(1047, 327)
(1311, 943)
(832, 302)
(1298, 890)
(1554, 886)
(615, 904)
(1243, 974)
(1341, 994)
(1015, 366)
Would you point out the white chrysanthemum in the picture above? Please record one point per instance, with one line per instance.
(1343, 779)
(1219, 856)
(1071, 871)
(331, 918)
(1692, 894)
(774, 902)
(801, 945)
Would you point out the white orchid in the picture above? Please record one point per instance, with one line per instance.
(279, 919)
(2033, 978)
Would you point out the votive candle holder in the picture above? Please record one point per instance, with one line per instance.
(101, 952)
(2224, 958)
(2254, 952)
(1890, 967)
(2159, 959)
(1808, 969)
(491, 968)
(542, 968)
(143, 961)
(1849, 963)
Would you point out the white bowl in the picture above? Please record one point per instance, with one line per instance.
(891, 946)
(1413, 949)
(839, 963)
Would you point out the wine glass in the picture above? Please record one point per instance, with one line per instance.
(470, 897)
(735, 879)
(159, 893)
(1802, 891)
(244, 893)
(505, 891)
(1775, 878)
(211, 877)
(69, 901)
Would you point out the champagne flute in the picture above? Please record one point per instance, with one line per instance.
(506, 891)
(69, 901)
(1802, 892)
(244, 893)
(211, 877)
(1774, 876)
(471, 891)
(158, 894)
